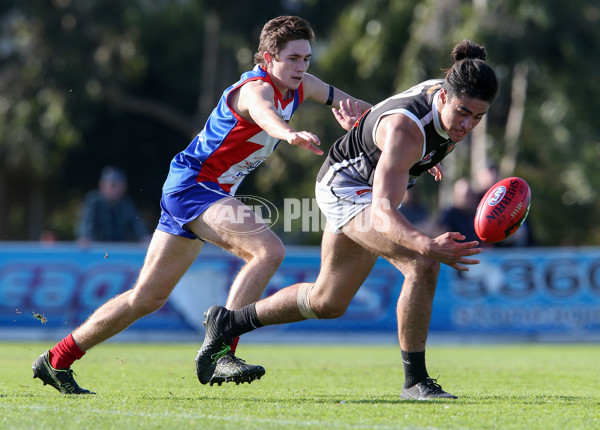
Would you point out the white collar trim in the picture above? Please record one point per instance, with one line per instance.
(436, 117)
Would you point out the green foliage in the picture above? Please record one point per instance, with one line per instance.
(309, 386)
(559, 133)
(86, 84)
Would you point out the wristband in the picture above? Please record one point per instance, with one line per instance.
(330, 99)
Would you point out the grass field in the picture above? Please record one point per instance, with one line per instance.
(154, 386)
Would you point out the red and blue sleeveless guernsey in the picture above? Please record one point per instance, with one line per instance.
(229, 147)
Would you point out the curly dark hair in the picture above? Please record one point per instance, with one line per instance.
(278, 31)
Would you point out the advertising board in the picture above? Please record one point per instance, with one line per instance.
(524, 294)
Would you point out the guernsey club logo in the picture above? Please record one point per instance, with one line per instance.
(427, 157)
(254, 215)
(497, 196)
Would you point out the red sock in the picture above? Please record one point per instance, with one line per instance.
(65, 353)
(234, 344)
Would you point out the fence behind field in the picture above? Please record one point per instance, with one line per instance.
(544, 294)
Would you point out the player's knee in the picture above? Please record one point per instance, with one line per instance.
(146, 304)
(276, 252)
(424, 268)
(314, 307)
(328, 309)
(270, 253)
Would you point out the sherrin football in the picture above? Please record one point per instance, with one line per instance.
(502, 210)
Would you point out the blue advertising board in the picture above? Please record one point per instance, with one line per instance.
(523, 292)
(47, 291)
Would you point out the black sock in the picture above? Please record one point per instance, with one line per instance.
(241, 321)
(415, 370)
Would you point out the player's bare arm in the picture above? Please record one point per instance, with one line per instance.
(318, 91)
(345, 108)
(402, 146)
(254, 102)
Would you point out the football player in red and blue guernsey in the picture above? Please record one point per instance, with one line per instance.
(250, 119)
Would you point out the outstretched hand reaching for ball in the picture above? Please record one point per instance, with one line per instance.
(305, 140)
(448, 250)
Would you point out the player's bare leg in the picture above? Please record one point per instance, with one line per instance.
(248, 237)
(414, 305)
(338, 282)
(168, 258)
(344, 267)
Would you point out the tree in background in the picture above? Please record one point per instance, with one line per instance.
(542, 126)
(128, 83)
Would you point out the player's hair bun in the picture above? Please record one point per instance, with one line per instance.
(468, 49)
(470, 75)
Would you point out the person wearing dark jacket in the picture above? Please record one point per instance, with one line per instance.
(108, 214)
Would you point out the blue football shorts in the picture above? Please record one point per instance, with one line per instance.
(180, 207)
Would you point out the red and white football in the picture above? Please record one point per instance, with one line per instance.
(502, 210)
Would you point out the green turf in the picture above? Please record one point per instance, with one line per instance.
(153, 386)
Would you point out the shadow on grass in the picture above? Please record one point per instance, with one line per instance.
(253, 398)
(533, 399)
(312, 399)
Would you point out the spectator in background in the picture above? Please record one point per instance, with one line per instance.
(461, 215)
(486, 177)
(108, 215)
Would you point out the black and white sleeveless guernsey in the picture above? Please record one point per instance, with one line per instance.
(346, 176)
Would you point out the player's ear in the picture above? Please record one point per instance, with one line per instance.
(443, 96)
(268, 58)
